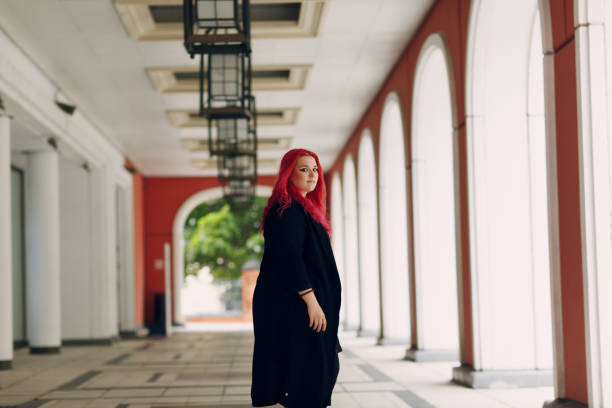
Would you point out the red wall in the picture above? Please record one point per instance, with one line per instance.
(163, 196)
(139, 250)
(449, 18)
(568, 190)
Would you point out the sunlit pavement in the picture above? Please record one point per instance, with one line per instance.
(212, 367)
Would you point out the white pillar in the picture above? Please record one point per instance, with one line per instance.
(104, 297)
(592, 20)
(43, 252)
(125, 236)
(6, 271)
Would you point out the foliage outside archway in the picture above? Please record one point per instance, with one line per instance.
(222, 239)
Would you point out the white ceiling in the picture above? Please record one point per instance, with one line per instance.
(84, 48)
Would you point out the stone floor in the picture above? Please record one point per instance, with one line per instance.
(212, 368)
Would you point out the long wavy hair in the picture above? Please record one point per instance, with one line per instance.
(284, 191)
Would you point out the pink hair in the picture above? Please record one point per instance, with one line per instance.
(285, 192)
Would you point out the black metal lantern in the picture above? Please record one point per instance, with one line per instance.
(233, 136)
(237, 167)
(239, 193)
(237, 187)
(217, 14)
(225, 84)
(234, 133)
(229, 79)
(219, 25)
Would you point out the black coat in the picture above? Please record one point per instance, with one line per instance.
(292, 364)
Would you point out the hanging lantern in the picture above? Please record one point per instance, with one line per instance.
(234, 132)
(234, 136)
(220, 25)
(237, 167)
(225, 83)
(229, 79)
(239, 194)
(217, 14)
(239, 188)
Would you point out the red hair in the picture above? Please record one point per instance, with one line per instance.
(284, 191)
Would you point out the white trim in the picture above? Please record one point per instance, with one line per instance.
(595, 158)
(473, 119)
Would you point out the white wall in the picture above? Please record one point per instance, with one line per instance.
(367, 200)
(502, 232)
(351, 246)
(337, 237)
(394, 247)
(434, 201)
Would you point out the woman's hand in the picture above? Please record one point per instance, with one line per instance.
(315, 313)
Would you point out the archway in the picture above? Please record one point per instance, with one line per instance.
(368, 237)
(394, 225)
(178, 244)
(337, 238)
(351, 247)
(435, 225)
(507, 200)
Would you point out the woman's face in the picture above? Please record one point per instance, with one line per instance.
(305, 174)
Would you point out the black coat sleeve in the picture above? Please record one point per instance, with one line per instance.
(286, 234)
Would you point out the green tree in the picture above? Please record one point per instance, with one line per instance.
(222, 239)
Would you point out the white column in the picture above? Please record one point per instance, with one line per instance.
(104, 294)
(125, 222)
(593, 19)
(6, 271)
(43, 252)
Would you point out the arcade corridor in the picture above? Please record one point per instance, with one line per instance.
(466, 147)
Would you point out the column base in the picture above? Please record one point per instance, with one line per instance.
(45, 350)
(466, 375)
(90, 342)
(426, 356)
(350, 327)
(563, 403)
(139, 332)
(6, 364)
(367, 333)
(20, 344)
(392, 341)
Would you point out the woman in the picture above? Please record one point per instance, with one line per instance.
(296, 303)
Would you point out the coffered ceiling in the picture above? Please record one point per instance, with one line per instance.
(317, 65)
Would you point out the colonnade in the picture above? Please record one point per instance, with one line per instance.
(66, 217)
(500, 249)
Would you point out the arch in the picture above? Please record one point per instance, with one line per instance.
(504, 234)
(351, 247)
(337, 238)
(435, 221)
(178, 244)
(393, 224)
(368, 236)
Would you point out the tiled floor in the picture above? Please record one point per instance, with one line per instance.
(213, 369)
